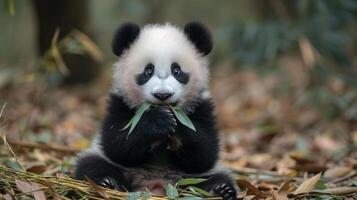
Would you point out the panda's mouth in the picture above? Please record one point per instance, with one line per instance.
(175, 103)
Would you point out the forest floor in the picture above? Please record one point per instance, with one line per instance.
(276, 148)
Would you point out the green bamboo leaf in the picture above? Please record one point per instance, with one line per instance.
(190, 181)
(146, 196)
(171, 192)
(139, 195)
(128, 124)
(138, 114)
(134, 195)
(199, 191)
(183, 118)
(190, 198)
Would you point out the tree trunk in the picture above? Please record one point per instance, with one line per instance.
(66, 15)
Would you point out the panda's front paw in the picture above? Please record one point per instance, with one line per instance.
(170, 119)
(108, 182)
(165, 121)
(226, 191)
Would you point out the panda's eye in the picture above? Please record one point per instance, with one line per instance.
(149, 70)
(175, 69)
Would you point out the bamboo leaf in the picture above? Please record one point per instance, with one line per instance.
(138, 114)
(183, 118)
(190, 181)
(190, 198)
(199, 191)
(128, 124)
(134, 195)
(171, 192)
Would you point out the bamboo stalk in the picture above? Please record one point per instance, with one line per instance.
(53, 186)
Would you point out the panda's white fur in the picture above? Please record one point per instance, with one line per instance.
(161, 45)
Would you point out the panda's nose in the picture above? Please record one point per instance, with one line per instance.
(162, 96)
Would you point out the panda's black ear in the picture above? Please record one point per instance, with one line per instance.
(199, 36)
(124, 37)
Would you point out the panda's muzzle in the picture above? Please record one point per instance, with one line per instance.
(162, 96)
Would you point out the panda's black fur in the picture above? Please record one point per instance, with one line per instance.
(159, 147)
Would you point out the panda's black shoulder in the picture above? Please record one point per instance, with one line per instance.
(118, 112)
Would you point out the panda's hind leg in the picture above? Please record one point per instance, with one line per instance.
(220, 184)
(101, 172)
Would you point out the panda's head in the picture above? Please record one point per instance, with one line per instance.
(161, 64)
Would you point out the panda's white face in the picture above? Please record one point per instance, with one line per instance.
(163, 83)
(162, 67)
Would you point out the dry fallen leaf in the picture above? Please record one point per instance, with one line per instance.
(339, 190)
(310, 167)
(29, 187)
(308, 185)
(37, 169)
(337, 172)
(252, 190)
(249, 197)
(283, 191)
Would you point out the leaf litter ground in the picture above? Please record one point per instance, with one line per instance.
(275, 150)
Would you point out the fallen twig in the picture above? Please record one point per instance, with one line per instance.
(52, 147)
(3, 137)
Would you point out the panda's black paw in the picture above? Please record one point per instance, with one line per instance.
(226, 191)
(164, 119)
(108, 182)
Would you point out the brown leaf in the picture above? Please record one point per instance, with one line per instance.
(249, 197)
(283, 191)
(265, 186)
(242, 194)
(277, 196)
(97, 189)
(29, 187)
(337, 172)
(308, 185)
(252, 190)
(339, 191)
(310, 167)
(37, 169)
(299, 159)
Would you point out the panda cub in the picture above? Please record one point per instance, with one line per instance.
(163, 65)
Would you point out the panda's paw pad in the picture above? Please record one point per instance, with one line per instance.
(108, 182)
(226, 191)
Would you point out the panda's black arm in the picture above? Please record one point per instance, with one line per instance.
(199, 150)
(136, 148)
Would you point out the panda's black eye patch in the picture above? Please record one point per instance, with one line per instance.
(179, 75)
(149, 70)
(145, 76)
(175, 69)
